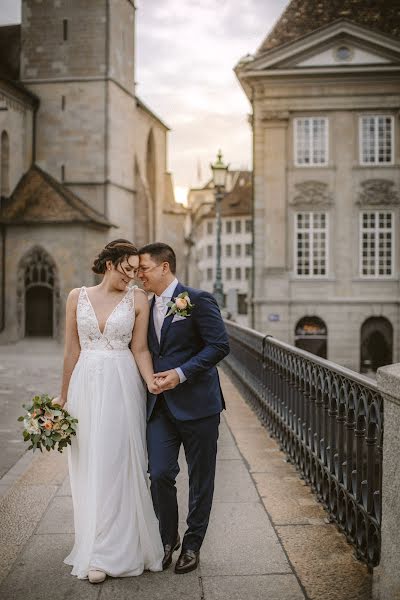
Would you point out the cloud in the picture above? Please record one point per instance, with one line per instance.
(186, 51)
(10, 12)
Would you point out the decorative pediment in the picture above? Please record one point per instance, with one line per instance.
(340, 44)
(312, 193)
(377, 192)
(343, 53)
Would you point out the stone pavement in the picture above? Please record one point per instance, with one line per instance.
(268, 538)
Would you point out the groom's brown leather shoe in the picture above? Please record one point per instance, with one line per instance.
(168, 552)
(188, 561)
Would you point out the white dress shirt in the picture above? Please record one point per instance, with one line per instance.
(158, 319)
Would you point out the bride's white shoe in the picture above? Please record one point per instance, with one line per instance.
(96, 576)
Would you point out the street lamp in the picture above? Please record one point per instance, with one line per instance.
(219, 171)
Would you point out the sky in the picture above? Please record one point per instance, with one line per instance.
(185, 54)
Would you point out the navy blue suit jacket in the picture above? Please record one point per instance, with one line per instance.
(195, 344)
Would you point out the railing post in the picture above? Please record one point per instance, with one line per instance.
(387, 575)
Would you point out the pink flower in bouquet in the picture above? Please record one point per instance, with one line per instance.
(48, 425)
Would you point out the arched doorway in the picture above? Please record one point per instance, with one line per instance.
(151, 172)
(38, 295)
(376, 344)
(311, 334)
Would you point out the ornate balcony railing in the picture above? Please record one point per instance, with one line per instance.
(329, 421)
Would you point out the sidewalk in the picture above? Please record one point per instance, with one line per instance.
(267, 539)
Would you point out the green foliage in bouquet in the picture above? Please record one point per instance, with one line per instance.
(47, 425)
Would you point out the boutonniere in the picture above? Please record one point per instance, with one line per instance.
(182, 306)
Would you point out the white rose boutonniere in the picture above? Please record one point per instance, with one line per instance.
(182, 306)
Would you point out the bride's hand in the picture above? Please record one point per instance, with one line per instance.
(59, 401)
(153, 387)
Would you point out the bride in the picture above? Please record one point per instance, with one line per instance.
(116, 530)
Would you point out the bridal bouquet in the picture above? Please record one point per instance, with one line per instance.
(47, 424)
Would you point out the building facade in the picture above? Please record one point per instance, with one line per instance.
(325, 93)
(83, 159)
(236, 242)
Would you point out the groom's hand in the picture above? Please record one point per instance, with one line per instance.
(167, 380)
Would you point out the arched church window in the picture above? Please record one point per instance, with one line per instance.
(151, 171)
(5, 164)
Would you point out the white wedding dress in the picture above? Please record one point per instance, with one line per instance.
(116, 530)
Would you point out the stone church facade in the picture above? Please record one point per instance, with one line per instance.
(325, 92)
(82, 159)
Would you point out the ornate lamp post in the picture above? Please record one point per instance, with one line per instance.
(219, 171)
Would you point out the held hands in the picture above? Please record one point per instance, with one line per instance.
(166, 380)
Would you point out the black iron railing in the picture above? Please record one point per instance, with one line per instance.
(328, 419)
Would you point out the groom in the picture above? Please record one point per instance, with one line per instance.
(185, 351)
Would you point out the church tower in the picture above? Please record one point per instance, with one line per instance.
(78, 58)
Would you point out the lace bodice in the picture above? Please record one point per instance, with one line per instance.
(117, 330)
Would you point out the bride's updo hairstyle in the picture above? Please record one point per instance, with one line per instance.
(116, 251)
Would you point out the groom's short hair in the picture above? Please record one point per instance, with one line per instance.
(160, 253)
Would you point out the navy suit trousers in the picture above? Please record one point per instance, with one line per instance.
(165, 434)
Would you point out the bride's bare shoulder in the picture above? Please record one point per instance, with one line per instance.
(141, 299)
(139, 290)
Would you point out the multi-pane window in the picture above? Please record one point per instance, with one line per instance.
(228, 250)
(376, 140)
(248, 249)
(209, 251)
(238, 249)
(238, 273)
(247, 273)
(209, 227)
(228, 273)
(311, 244)
(238, 226)
(209, 274)
(311, 141)
(228, 227)
(376, 240)
(248, 226)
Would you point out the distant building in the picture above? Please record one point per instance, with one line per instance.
(82, 159)
(325, 89)
(236, 241)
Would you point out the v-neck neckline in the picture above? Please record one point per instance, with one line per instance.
(109, 316)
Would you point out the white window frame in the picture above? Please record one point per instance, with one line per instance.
(376, 230)
(295, 140)
(375, 163)
(296, 230)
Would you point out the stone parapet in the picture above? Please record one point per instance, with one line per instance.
(387, 575)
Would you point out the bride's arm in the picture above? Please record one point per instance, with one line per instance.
(139, 347)
(72, 348)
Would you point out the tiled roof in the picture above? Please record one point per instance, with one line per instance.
(239, 200)
(10, 50)
(39, 198)
(302, 17)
